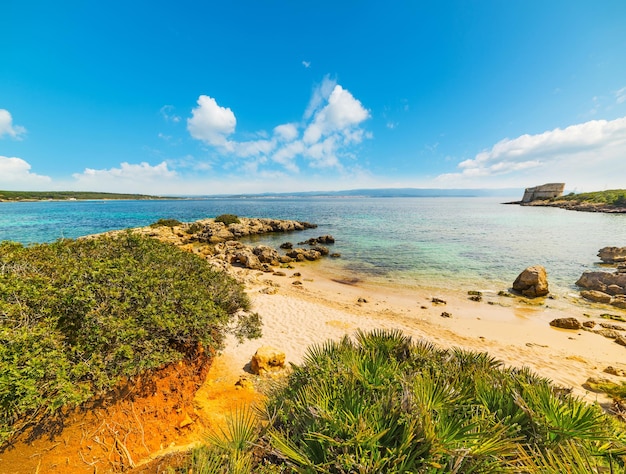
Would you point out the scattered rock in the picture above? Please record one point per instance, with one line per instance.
(615, 327)
(438, 301)
(621, 340)
(589, 324)
(446, 315)
(476, 298)
(286, 246)
(615, 371)
(296, 275)
(280, 274)
(608, 333)
(297, 283)
(267, 359)
(474, 293)
(532, 282)
(362, 300)
(244, 383)
(612, 254)
(506, 294)
(606, 282)
(566, 323)
(592, 384)
(596, 296)
(335, 255)
(186, 420)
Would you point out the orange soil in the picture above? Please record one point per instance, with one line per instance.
(168, 411)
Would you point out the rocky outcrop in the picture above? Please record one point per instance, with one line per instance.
(543, 192)
(612, 254)
(605, 286)
(532, 282)
(267, 359)
(209, 231)
(607, 282)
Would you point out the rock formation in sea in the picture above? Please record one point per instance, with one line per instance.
(608, 287)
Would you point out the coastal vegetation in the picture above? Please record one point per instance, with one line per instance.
(68, 195)
(79, 317)
(612, 197)
(382, 403)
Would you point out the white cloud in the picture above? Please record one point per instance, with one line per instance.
(167, 112)
(135, 178)
(331, 125)
(287, 132)
(620, 95)
(211, 123)
(586, 156)
(7, 127)
(16, 172)
(306, 64)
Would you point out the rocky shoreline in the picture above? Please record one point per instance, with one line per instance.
(576, 206)
(219, 243)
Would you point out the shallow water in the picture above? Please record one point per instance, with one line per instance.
(451, 242)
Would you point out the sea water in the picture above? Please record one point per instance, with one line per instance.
(453, 242)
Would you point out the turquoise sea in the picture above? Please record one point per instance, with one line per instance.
(453, 242)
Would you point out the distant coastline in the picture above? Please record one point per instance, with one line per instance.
(33, 196)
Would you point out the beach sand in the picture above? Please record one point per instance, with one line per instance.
(514, 330)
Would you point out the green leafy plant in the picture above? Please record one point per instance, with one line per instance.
(227, 219)
(380, 403)
(166, 223)
(76, 317)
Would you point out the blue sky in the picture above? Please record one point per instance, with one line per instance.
(194, 97)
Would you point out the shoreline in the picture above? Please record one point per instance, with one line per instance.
(514, 330)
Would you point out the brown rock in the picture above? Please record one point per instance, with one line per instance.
(589, 324)
(615, 371)
(601, 281)
(532, 282)
(596, 296)
(612, 254)
(621, 340)
(267, 359)
(566, 323)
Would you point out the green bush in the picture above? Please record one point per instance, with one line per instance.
(384, 404)
(166, 223)
(612, 197)
(228, 219)
(78, 316)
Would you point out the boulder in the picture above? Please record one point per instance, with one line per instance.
(267, 359)
(612, 254)
(566, 323)
(607, 282)
(596, 296)
(532, 282)
(621, 340)
(619, 301)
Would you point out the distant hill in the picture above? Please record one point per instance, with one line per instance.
(388, 192)
(68, 196)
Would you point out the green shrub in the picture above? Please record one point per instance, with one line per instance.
(228, 219)
(78, 316)
(194, 228)
(166, 223)
(384, 404)
(611, 197)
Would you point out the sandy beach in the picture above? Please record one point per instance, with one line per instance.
(514, 330)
